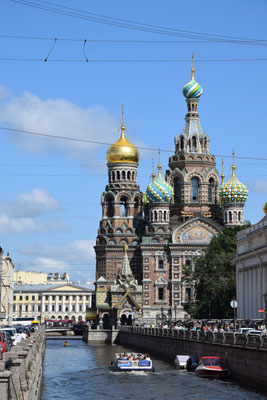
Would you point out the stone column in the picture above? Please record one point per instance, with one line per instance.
(63, 303)
(56, 307)
(84, 306)
(77, 303)
(70, 305)
(49, 303)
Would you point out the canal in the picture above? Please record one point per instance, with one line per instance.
(82, 372)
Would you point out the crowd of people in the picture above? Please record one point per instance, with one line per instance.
(212, 326)
(133, 356)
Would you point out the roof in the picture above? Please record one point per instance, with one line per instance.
(47, 288)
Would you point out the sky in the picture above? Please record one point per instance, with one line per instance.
(50, 197)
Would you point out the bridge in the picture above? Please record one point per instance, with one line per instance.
(63, 331)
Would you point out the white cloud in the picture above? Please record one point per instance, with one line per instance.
(77, 258)
(19, 217)
(32, 204)
(4, 92)
(9, 225)
(57, 117)
(258, 186)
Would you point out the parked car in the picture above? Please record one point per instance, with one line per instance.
(3, 345)
(7, 338)
(11, 331)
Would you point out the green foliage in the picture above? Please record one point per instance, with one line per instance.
(214, 277)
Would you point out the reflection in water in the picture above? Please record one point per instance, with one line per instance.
(82, 372)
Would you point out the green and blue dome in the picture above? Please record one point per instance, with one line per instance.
(158, 190)
(192, 90)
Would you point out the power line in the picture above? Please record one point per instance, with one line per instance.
(136, 61)
(109, 144)
(133, 41)
(133, 25)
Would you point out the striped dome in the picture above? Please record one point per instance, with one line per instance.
(158, 191)
(233, 191)
(192, 90)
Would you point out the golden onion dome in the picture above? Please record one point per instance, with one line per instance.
(122, 151)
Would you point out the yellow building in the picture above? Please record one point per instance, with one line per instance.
(40, 278)
(41, 302)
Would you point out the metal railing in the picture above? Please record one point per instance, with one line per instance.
(231, 339)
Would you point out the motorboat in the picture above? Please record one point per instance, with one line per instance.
(132, 362)
(212, 367)
(180, 361)
(66, 343)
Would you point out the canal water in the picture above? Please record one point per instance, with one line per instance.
(82, 372)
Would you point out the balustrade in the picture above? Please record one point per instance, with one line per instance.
(232, 339)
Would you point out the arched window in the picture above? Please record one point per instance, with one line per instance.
(230, 217)
(194, 143)
(118, 175)
(239, 216)
(211, 190)
(177, 190)
(123, 175)
(194, 189)
(123, 203)
(189, 142)
(155, 216)
(129, 175)
(110, 208)
(113, 176)
(165, 216)
(182, 143)
(136, 207)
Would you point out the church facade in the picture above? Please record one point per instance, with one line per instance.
(164, 228)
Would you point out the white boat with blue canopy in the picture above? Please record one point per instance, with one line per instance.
(132, 362)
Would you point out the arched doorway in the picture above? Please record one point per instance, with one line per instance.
(126, 320)
(106, 321)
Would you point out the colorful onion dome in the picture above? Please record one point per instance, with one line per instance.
(233, 191)
(192, 89)
(158, 190)
(122, 151)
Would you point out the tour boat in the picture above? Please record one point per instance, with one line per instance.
(180, 361)
(212, 367)
(185, 362)
(132, 362)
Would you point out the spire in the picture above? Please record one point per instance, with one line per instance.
(159, 165)
(233, 165)
(222, 175)
(153, 171)
(126, 269)
(192, 68)
(122, 120)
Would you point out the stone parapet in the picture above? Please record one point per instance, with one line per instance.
(21, 369)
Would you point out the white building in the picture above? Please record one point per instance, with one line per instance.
(251, 270)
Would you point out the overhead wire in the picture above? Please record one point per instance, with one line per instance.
(109, 143)
(128, 24)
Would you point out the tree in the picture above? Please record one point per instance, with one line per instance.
(214, 277)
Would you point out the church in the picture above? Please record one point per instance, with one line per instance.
(145, 239)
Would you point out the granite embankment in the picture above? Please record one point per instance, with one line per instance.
(21, 369)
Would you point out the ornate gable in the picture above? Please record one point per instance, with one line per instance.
(195, 231)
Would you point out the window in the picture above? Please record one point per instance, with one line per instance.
(211, 190)
(110, 208)
(67, 297)
(46, 308)
(33, 297)
(161, 264)
(160, 293)
(194, 189)
(46, 297)
(53, 297)
(194, 143)
(27, 297)
(14, 297)
(80, 308)
(123, 203)
(20, 297)
(53, 308)
(14, 308)
(188, 294)
(60, 297)
(177, 190)
(59, 308)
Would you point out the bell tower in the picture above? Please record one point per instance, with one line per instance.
(192, 170)
(122, 210)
